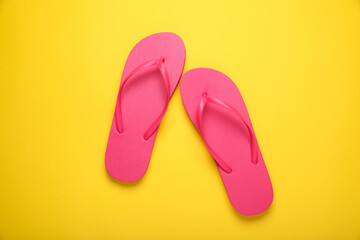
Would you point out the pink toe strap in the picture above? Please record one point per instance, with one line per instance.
(208, 99)
(160, 63)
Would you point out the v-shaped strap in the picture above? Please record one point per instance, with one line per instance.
(208, 99)
(160, 63)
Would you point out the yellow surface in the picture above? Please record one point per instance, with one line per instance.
(296, 63)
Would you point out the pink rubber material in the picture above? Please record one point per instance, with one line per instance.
(118, 115)
(151, 73)
(208, 99)
(217, 110)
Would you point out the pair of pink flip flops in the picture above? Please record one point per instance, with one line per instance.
(214, 105)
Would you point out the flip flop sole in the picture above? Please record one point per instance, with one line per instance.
(142, 101)
(248, 185)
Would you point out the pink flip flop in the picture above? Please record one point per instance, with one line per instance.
(151, 74)
(216, 108)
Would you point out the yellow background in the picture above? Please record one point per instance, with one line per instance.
(296, 63)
